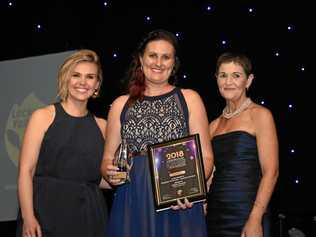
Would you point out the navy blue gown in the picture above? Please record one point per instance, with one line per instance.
(153, 120)
(235, 183)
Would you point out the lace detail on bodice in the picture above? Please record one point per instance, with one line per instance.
(153, 120)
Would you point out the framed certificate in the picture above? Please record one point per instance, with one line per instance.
(177, 171)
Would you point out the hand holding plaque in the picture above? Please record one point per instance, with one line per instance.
(177, 171)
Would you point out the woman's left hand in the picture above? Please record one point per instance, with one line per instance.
(182, 205)
(252, 228)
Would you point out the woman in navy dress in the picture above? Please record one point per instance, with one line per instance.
(154, 111)
(59, 170)
(245, 150)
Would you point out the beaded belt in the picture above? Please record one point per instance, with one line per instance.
(139, 153)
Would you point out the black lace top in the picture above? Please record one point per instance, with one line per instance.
(155, 119)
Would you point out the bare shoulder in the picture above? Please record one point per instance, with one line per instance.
(192, 98)
(43, 117)
(102, 125)
(44, 113)
(260, 115)
(214, 123)
(119, 102)
(213, 126)
(190, 94)
(101, 122)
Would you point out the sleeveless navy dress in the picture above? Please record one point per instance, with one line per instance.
(235, 183)
(153, 120)
(66, 195)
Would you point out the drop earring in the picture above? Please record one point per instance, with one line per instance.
(95, 93)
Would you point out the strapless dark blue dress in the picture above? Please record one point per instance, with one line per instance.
(235, 183)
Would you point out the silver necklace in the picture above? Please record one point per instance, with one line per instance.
(227, 114)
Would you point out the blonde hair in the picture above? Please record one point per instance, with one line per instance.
(65, 70)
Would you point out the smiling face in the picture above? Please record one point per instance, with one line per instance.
(83, 81)
(232, 81)
(158, 61)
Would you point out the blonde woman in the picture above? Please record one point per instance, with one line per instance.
(59, 178)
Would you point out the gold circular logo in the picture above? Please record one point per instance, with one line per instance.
(16, 124)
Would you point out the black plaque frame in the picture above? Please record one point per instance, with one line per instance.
(177, 171)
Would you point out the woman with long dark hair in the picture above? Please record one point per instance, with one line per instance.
(153, 111)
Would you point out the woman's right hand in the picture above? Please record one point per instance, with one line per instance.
(31, 228)
(110, 174)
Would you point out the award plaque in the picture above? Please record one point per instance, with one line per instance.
(177, 171)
